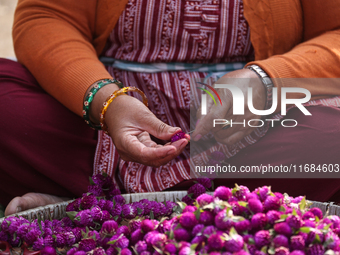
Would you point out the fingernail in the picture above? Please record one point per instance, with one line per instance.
(174, 130)
(197, 137)
(18, 209)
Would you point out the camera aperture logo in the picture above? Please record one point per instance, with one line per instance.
(239, 105)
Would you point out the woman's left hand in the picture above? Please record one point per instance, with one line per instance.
(236, 132)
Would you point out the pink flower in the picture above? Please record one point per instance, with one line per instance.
(283, 228)
(223, 193)
(255, 205)
(262, 238)
(196, 190)
(204, 199)
(234, 244)
(188, 220)
(215, 242)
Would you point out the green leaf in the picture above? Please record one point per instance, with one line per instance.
(182, 205)
(139, 211)
(317, 238)
(197, 214)
(242, 203)
(39, 222)
(71, 215)
(157, 249)
(294, 212)
(134, 250)
(171, 235)
(91, 181)
(193, 246)
(327, 226)
(104, 174)
(233, 232)
(305, 230)
(264, 249)
(271, 250)
(302, 204)
(54, 237)
(152, 216)
(112, 242)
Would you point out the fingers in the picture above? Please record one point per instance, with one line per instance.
(152, 156)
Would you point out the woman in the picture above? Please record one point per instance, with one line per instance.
(51, 150)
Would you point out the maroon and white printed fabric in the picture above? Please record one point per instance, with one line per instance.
(150, 31)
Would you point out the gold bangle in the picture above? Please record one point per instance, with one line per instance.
(112, 97)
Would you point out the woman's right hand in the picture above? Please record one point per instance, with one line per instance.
(130, 124)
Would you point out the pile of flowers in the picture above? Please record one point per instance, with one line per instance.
(228, 221)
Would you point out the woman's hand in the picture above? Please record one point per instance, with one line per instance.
(130, 124)
(235, 133)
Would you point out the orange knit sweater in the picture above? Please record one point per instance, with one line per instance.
(59, 42)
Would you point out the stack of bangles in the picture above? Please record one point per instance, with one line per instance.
(89, 98)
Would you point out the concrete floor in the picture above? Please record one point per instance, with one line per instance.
(7, 8)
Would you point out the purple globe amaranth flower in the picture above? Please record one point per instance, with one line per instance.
(332, 240)
(294, 221)
(48, 251)
(240, 192)
(308, 215)
(87, 244)
(99, 251)
(215, 242)
(49, 241)
(184, 251)
(335, 220)
(255, 205)
(120, 241)
(38, 244)
(222, 221)
(206, 218)
(209, 230)
(141, 246)
(262, 238)
(223, 193)
(317, 212)
(73, 206)
(259, 221)
(308, 223)
(316, 249)
(170, 248)
(66, 222)
(198, 229)
(283, 228)
(260, 253)
(189, 208)
(280, 240)
(116, 210)
(123, 230)
(147, 206)
(21, 232)
(204, 199)
(109, 228)
(181, 234)
(32, 236)
(263, 192)
(196, 190)
(241, 252)
(158, 240)
(234, 244)
(60, 240)
(80, 253)
(72, 251)
(129, 211)
(70, 238)
(119, 199)
(206, 182)
(178, 136)
(147, 225)
(126, 251)
(313, 234)
(282, 251)
(273, 216)
(95, 190)
(242, 226)
(134, 224)
(297, 253)
(88, 202)
(239, 209)
(136, 236)
(77, 233)
(83, 218)
(272, 203)
(199, 240)
(188, 200)
(145, 253)
(188, 220)
(140, 208)
(297, 242)
(96, 213)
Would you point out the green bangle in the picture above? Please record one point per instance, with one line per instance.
(89, 98)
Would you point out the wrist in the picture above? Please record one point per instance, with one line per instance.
(98, 100)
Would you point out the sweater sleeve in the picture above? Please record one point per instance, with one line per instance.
(53, 39)
(316, 58)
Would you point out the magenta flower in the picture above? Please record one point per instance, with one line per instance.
(262, 238)
(255, 205)
(147, 226)
(297, 253)
(280, 240)
(48, 251)
(241, 192)
(120, 241)
(223, 193)
(170, 248)
(96, 213)
(95, 190)
(206, 182)
(109, 228)
(272, 203)
(317, 212)
(158, 240)
(204, 199)
(126, 251)
(123, 230)
(83, 218)
(73, 206)
(234, 244)
(134, 224)
(196, 190)
(209, 230)
(178, 136)
(281, 251)
(206, 218)
(141, 246)
(119, 199)
(189, 201)
(222, 221)
(316, 249)
(87, 202)
(98, 251)
(297, 242)
(242, 226)
(283, 228)
(87, 245)
(197, 229)
(129, 211)
(188, 220)
(136, 236)
(215, 242)
(181, 234)
(32, 236)
(294, 221)
(259, 221)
